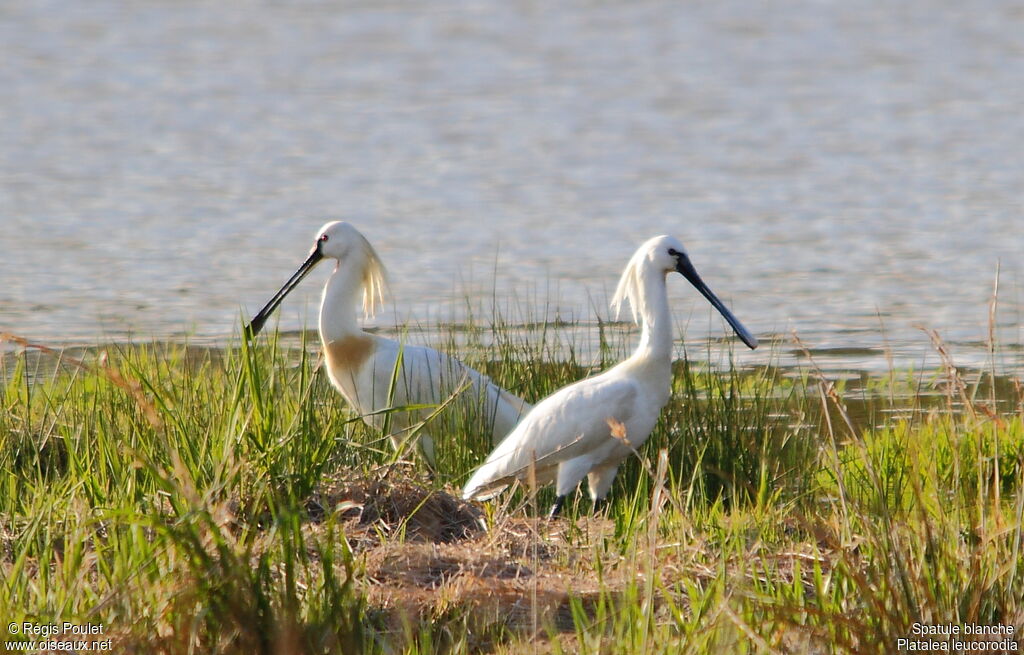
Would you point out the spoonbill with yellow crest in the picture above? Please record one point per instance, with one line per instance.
(362, 365)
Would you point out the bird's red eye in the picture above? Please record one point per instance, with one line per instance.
(324, 237)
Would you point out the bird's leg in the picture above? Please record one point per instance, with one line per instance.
(600, 504)
(557, 507)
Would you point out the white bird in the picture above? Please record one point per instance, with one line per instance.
(568, 435)
(362, 365)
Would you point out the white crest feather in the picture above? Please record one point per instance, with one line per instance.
(629, 288)
(374, 278)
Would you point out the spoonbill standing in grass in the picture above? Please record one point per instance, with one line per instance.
(569, 434)
(362, 365)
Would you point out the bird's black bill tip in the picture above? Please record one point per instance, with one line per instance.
(259, 320)
(686, 269)
(253, 328)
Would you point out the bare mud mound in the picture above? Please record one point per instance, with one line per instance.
(385, 504)
(427, 559)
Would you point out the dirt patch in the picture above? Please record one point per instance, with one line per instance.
(429, 566)
(473, 583)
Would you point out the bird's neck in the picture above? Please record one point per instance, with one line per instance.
(337, 308)
(656, 339)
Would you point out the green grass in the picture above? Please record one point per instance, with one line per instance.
(164, 491)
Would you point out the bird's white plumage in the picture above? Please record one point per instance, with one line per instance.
(426, 377)
(362, 365)
(566, 430)
(569, 434)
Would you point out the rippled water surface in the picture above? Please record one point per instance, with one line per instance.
(845, 170)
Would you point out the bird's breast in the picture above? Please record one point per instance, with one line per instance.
(348, 354)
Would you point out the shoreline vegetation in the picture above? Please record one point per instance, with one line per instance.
(208, 500)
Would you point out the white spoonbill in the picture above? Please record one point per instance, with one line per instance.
(568, 435)
(361, 365)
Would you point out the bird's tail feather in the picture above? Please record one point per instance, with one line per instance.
(500, 470)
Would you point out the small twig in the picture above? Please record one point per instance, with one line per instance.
(955, 380)
(828, 388)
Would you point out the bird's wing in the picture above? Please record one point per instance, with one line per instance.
(502, 408)
(429, 376)
(566, 424)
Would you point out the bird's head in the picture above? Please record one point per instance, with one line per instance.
(339, 240)
(342, 242)
(666, 254)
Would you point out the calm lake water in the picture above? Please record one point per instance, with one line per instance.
(845, 170)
